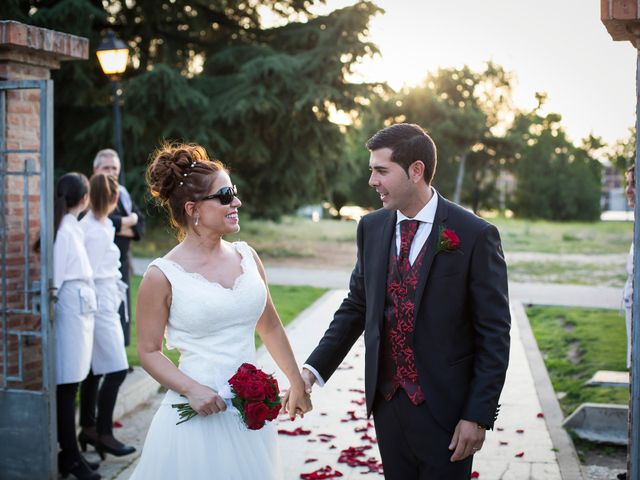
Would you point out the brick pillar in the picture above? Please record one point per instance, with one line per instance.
(26, 53)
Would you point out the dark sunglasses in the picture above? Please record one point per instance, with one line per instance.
(225, 195)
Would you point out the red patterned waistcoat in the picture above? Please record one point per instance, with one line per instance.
(397, 359)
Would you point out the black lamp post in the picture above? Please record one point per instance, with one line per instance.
(113, 55)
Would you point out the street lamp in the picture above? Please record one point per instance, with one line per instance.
(113, 55)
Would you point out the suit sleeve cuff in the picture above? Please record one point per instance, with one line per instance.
(319, 379)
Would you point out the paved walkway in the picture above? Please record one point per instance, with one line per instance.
(520, 448)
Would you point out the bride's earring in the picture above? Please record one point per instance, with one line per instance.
(197, 218)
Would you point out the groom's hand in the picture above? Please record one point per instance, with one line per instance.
(467, 440)
(309, 379)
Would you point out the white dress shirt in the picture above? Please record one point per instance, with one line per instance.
(426, 217)
(70, 259)
(101, 249)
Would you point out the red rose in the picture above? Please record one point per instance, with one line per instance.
(247, 368)
(257, 390)
(450, 239)
(239, 383)
(256, 414)
(273, 412)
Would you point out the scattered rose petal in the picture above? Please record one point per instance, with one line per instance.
(345, 366)
(540, 415)
(355, 457)
(356, 390)
(520, 454)
(309, 460)
(360, 402)
(332, 447)
(502, 442)
(500, 429)
(311, 440)
(323, 414)
(326, 437)
(520, 430)
(363, 428)
(352, 417)
(117, 424)
(475, 474)
(321, 473)
(369, 438)
(297, 431)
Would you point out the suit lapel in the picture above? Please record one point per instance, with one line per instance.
(431, 251)
(380, 265)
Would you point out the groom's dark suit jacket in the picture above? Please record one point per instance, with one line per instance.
(462, 320)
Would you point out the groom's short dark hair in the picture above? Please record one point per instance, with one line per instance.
(408, 142)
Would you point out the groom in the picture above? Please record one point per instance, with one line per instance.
(429, 290)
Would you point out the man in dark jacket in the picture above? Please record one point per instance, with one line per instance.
(429, 291)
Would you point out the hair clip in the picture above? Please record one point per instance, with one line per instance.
(193, 165)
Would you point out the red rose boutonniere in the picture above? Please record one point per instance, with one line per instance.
(448, 241)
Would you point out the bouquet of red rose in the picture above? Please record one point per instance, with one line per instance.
(256, 396)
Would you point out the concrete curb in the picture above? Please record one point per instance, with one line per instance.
(570, 467)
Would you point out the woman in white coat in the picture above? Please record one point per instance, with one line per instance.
(73, 317)
(109, 357)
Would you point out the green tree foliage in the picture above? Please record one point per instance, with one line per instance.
(210, 72)
(466, 114)
(622, 154)
(555, 179)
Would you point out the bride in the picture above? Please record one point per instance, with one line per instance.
(207, 297)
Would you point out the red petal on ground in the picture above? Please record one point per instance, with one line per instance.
(475, 475)
(360, 402)
(520, 430)
(293, 433)
(309, 460)
(502, 442)
(321, 474)
(540, 415)
(356, 390)
(520, 454)
(117, 424)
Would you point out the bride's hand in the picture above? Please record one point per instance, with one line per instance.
(205, 401)
(297, 401)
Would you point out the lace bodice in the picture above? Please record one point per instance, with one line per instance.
(213, 326)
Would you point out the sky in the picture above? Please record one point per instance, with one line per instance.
(555, 46)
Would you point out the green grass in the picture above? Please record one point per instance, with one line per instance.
(577, 342)
(564, 237)
(609, 275)
(291, 237)
(290, 301)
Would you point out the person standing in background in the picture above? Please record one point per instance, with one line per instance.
(129, 224)
(73, 318)
(109, 358)
(627, 297)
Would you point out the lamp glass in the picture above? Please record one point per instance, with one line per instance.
(113, 62)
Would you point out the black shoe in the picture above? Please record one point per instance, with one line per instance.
(76, 467)
(622, 476)
(91, 465)
(87, 437)
(109, 444)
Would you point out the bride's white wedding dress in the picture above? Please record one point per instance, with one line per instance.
(213, 328)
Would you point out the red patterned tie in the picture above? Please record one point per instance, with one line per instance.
(408, 229)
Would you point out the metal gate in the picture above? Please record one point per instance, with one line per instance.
(27, 382)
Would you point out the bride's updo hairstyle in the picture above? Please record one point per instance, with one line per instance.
(181, 173)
